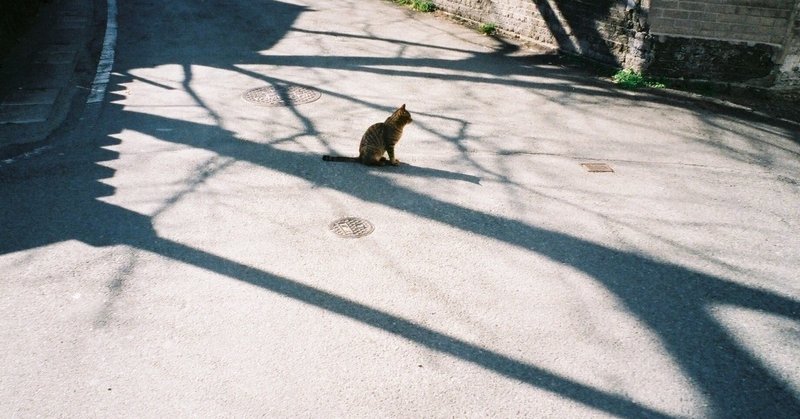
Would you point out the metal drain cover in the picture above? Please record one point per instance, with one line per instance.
(280, 95)
(351, 227)
(597, 167)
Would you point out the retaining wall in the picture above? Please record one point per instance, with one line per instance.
(745, 41)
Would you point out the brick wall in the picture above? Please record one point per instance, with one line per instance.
(760, 21)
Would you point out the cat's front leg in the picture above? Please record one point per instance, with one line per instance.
(393, 161)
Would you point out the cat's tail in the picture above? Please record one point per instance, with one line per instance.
(340, 158)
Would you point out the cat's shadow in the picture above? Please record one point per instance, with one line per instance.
(410, 169)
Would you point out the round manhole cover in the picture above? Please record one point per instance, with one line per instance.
(351, 227)
(280, 95)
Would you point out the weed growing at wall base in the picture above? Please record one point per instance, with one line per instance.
(632, 79)
(487, 28)
(423, 6)
(418, 5)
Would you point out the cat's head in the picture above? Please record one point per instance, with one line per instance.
(402, 115)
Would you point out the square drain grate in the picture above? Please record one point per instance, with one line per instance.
(597, 167)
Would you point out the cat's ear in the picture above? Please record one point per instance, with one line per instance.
(403, 107)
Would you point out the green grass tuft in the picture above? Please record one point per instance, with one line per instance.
(632, 79)
(423, 6)
(418, 5)
(487, 28)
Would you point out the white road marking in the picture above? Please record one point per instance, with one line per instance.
(103, 74)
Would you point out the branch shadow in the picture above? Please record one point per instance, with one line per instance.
(672, 300)
(48, 202)
(66, 206)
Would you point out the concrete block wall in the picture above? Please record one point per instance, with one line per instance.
(760, 21)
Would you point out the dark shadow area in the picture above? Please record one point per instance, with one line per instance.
(52, 200)
(578, 33)
(16, 18)
(407, 169)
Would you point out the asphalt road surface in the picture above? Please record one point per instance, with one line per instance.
(169, 254)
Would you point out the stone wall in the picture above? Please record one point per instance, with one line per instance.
(706, 59)
(755, 42)
(609, 31)
(789, 71)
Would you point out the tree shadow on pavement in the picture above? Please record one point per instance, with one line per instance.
(65, 205)
(670, 299)
(54, 201)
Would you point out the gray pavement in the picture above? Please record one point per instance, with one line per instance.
(172, 257)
